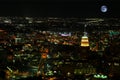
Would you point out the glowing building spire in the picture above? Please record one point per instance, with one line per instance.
(84, 39)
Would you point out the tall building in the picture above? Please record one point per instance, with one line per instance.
(84, 46)
(84, 41)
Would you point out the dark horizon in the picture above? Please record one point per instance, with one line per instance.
(59, 8)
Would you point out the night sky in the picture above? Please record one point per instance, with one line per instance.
(59, 8)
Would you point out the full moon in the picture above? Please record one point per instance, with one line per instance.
(104, 8)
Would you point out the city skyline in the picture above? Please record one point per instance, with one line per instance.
(56, 39)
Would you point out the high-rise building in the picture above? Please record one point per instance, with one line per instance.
(84, 46)
(84, 41)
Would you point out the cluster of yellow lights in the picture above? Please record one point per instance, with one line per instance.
(84, 41)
